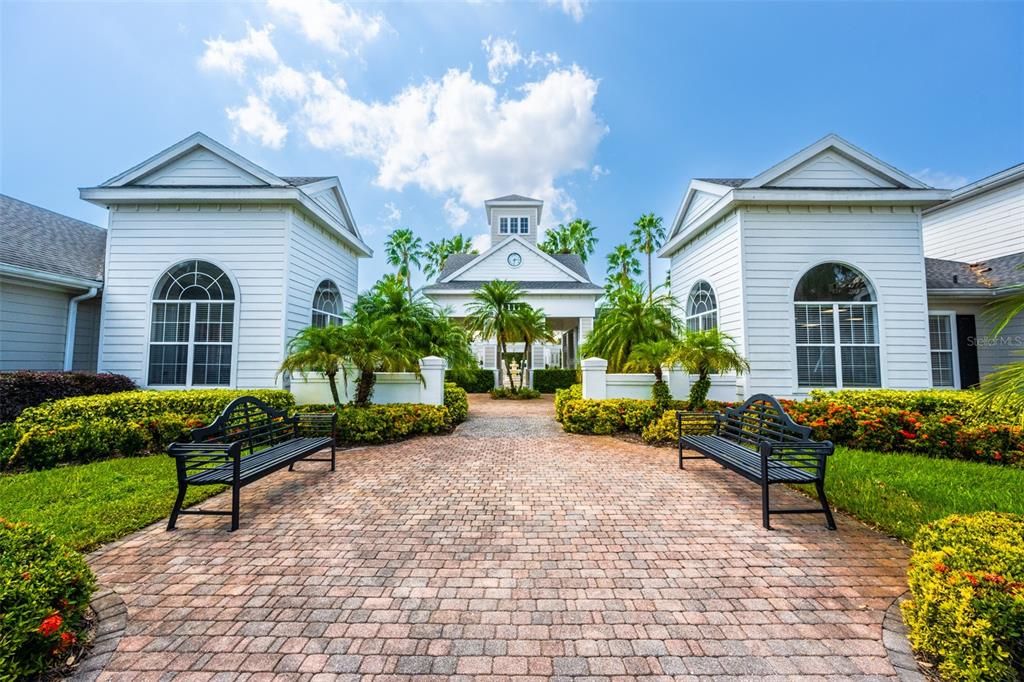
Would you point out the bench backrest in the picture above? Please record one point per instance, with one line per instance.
(250, 421)
(759, 419)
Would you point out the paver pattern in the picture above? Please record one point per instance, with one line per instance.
(506, 549)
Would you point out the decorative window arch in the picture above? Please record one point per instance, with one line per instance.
(326, 304)
(701, 308)
(836, 316)
(192, 329)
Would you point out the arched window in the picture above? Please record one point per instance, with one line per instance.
(836, 329)
(326, 304)
(192, 331)
(701, 308)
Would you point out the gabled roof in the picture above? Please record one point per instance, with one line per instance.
(513, 197)
(992, 274)
(467, 285)
(573, 273)
(40, 240)
(457, 261)
(168, 177)
(986, 184)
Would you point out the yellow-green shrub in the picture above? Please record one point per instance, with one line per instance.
(964, 404)
(45, 589)
(603, 417)
(564, 395)
(457, 402)
(665, 430)
(966, 609)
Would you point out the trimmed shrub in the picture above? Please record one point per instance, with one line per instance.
(603, 417)
(473, 380)
(457, 402)
(550, 380)
(45, 589)
(965, 404)
(524, 393)
(564, 395)
(966, 609)
(661, 395)
(663, 430)
(387, 423)
(19, 390)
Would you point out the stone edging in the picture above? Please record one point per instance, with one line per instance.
(112, 617)
(897, 646)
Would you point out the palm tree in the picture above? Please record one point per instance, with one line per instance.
(533, 328)
(1003, 389)
(461, 244)
(577, 237)
(705, 353)
(648, 234)
(436, 253)
(629, 317)
(317, 349)
(622, 266)
(404, 249)
(650, 356)
(493, 314)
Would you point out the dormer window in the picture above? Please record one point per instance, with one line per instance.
(514, 225)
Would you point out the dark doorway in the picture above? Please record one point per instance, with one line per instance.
(967, 345)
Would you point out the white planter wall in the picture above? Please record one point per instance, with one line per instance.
(391, 387)
(598, 384)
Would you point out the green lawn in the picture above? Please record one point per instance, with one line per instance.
(89, 504)
(898, 493)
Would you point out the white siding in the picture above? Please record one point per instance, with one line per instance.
(328, 201)
(993, 351)
(144, 241)
(314, 254)
(87, 335)
(534, 268)
(714, 256)
(698, 204)
(830, 169)
(32, 324)
(988, 225)
(781, 243)
(199, 167)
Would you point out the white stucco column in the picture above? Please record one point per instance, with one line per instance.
(586, 326)
(678, 381)
(432, 370)
(595, 378)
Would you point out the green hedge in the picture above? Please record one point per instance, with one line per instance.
(966, 405)
(524, 393)
(472, 381)
(128, 424)
(966, 609)
(457, 402)
(550, 380)
(45, 589)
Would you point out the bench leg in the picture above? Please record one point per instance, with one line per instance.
(333, 448)
(765, 509)
(178, 501)
(680, 454)
(830, 522)
(235, 490)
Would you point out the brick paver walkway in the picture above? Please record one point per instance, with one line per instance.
(506, 549)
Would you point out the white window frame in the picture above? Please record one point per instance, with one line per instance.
(332, 318)
(153, 300)
(515, 224)
(954, 349)
(503, 225)
(702, 318)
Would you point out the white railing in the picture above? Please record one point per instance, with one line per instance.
(391, 387)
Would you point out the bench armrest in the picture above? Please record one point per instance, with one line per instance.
(696, 423)
(317, 423)
(810, 455)
(192, 458)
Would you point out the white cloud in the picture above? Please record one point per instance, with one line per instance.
(481, 242)
(334, 26)
(285, 82)
(392, 214)
(574, 8)
(456, 216)
(256, 119)
(597, 171)
(940, 179)
(503, 55)
(231, 56)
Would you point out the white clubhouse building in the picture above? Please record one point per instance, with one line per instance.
(832, 269)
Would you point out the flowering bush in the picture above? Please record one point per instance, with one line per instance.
(457, 402)
(564, 395)
(19, 390)
(45, 589)
(966, 609)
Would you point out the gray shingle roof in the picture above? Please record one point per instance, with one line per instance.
(455, 262)
(38, 239)
(460, 260)
(300, 180)
(462, 285)
(728, 182)
(991, 274)
(513, 197)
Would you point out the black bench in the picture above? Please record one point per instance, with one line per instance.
(760, 442)
(248, 441)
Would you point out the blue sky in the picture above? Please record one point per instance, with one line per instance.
(604, 109)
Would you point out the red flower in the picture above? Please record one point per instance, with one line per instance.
(26, 575)
(997, 456)
(907, 434)
(941, 567)
(67, 639)
(50, 624)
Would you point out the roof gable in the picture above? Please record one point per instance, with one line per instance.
(197, 160)
(833, 163)
(700, 196)
(330, 196)
(536, 265)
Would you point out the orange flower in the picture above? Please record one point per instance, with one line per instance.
(50, 624)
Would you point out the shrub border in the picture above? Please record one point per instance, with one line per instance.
(112, 616)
